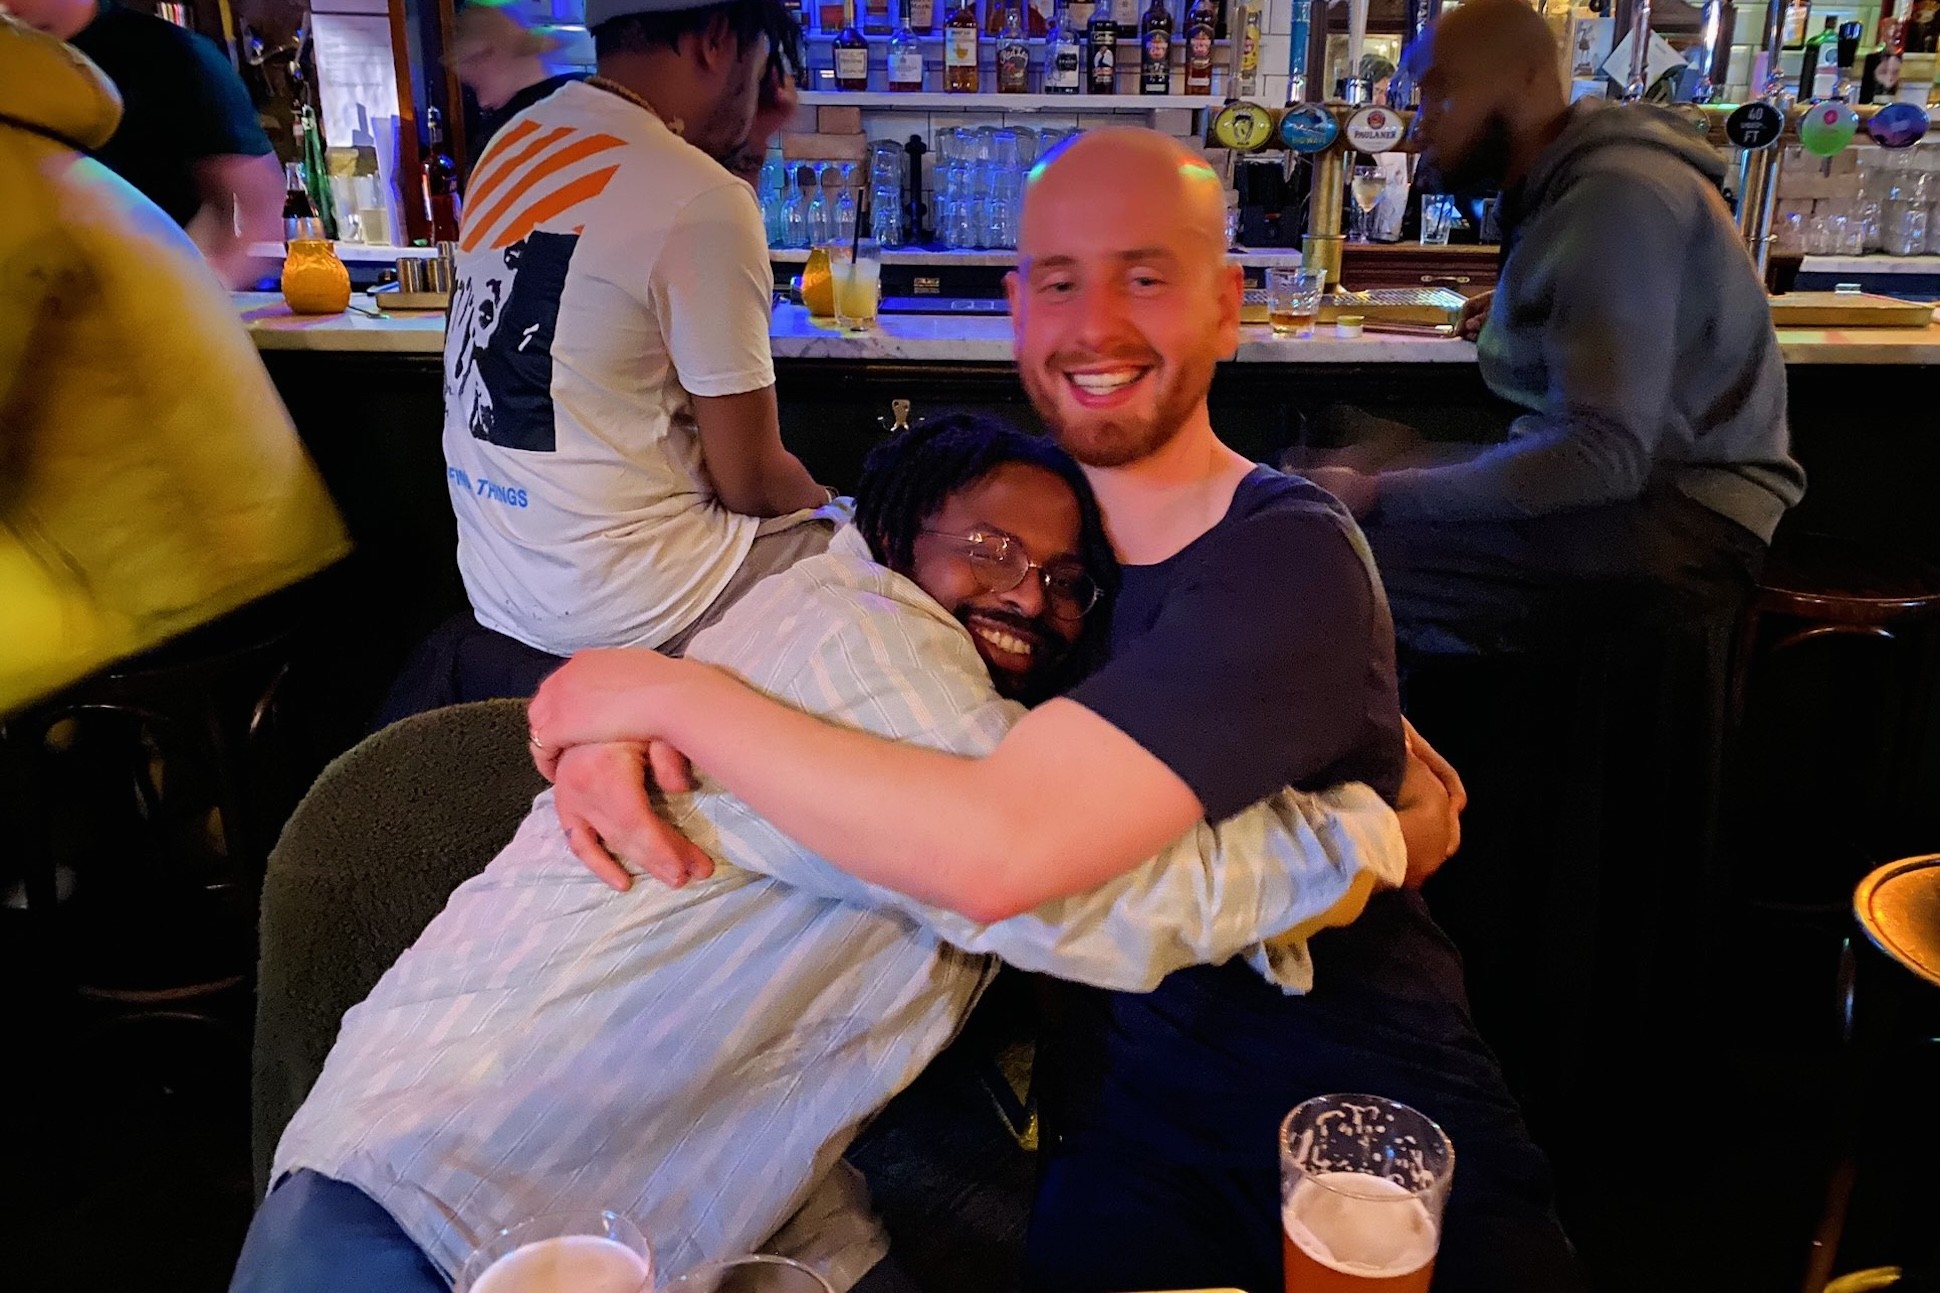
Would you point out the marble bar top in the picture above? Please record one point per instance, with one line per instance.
(930, 338)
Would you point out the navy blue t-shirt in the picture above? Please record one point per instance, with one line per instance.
(181, 102)
(1259, 656)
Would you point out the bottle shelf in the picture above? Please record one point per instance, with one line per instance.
(990, 100)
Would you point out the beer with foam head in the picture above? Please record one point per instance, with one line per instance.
(1347, 1232)
(1362, 1184)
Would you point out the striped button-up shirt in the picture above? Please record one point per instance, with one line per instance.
(699, 1058)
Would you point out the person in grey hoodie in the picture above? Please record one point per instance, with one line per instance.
(1629, 327)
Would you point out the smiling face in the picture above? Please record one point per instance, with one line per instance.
(1123, 302)
(1015, 631)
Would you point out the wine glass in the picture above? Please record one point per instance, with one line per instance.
(762, 1273)
(1368, 184)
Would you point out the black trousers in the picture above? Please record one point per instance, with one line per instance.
(1161, 1168)
(1465, 587)
(463, 661)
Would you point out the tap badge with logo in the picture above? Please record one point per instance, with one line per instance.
(1375, 130)
(1308, 128)
(1755, 126)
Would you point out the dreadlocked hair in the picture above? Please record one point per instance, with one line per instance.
(905, 481)
(747, 20)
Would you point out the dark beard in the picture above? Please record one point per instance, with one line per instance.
(1478, 172)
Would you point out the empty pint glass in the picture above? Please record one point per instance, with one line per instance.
(1362, 1185)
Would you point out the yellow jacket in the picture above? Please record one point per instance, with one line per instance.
(150, 479)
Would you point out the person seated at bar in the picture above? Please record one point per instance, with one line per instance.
(150, 480)
(501, 59)
(1250, 650)
(697, 1057)
(1631, 330)
(612, 442)
(189, 138)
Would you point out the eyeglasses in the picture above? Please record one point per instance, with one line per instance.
(1000, 564)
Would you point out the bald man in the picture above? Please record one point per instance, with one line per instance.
(1630, 328)
(1251, 650)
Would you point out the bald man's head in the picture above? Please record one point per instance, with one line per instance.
(1491, 93)
(1123, 301)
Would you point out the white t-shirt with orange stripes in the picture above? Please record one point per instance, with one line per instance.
(607, 272)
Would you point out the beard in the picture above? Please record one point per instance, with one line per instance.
(1478, 171)
(1119, 438)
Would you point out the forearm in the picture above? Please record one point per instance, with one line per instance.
(1549, 468)
(1286, 867)
(952, 831)
(780, 485)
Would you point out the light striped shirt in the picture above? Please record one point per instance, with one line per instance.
(699, 1058)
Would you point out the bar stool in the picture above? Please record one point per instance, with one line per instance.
(196, 731)
(1817, 590)
(1890, 1012)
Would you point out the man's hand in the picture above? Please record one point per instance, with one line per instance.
(1430, 807)
(1357, 491)
(1475, 313)
(596, 697)
(600, 794)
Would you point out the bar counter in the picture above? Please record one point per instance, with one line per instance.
(986, 339)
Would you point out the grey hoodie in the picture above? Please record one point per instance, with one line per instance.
(1631, 323)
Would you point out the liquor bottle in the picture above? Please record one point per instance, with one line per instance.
(1923, 27)
(1793, 30)
(1126, 14)
(1880, 81)
(296, 198)
(1063, 58)
(831, 16)
(1101, 52)
(905, 56)
(1202, 19)
(1077, 16)
(441, 203)
(922, 16)
(851, 54)
(794, 8)
(877, 18)
(1249, 21)
(1816, 71)
(1013, 55)
(1155, 50)
(1846, 87)
(960, 49)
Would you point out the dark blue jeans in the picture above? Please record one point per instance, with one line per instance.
(317, 1235)
(1163, 1109)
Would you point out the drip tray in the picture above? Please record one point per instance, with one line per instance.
(980, 305)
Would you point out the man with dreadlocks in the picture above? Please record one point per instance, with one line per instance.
(697, 1058)
(612, 443)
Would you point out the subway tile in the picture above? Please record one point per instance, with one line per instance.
(895, 125)
(1279, 16)
(1274, 52)
(1273, 90)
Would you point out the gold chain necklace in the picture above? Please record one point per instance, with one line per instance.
(615, 88)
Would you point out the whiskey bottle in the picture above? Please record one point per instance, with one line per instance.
(1101, 52)
(1013, 54)
(1155, 50)
(851, 54)
(960, 50)
(905, 56)
(1063, 59)
(1202, 20)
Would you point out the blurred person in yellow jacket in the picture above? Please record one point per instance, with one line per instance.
(150, 478)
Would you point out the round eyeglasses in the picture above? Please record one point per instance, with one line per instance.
(1000, 564)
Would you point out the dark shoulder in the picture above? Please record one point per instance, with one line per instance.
(1286, 522)
(126, 32)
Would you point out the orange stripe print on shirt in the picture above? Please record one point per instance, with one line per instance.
(577, 149)
(583, 189)
(504, 156)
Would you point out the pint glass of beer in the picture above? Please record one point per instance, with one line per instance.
(1362, 1184)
